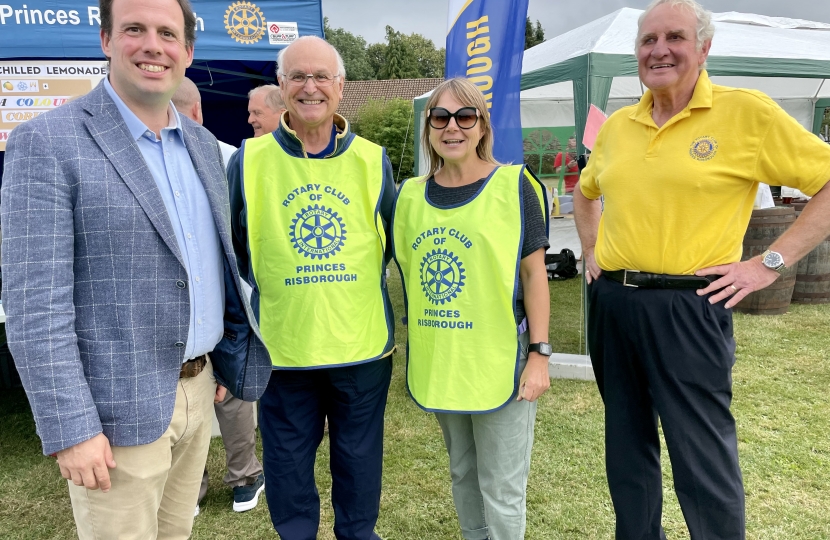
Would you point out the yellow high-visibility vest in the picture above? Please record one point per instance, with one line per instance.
(316, 240)
(460, 268)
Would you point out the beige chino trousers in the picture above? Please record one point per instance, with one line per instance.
(155, 485)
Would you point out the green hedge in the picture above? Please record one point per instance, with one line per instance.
(391, 125)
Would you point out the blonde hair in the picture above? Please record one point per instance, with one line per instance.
(468, 95)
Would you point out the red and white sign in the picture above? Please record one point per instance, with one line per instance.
(282, 33)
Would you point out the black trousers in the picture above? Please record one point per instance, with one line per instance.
(667, 354)
(292, 414)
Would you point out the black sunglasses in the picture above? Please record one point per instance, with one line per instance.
(465, 117)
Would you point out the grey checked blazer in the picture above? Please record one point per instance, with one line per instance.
(90, 272)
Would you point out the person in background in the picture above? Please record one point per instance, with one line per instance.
(120, 285)
(470, 239)
(235, 416)
(265, 108)
(311, 209)
(569, 157)
(188, 101)
(664, 268)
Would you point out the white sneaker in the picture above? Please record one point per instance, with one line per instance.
(246, 497)
(196, 512)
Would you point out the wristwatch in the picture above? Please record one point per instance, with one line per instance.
(542, 348)
(773, 260)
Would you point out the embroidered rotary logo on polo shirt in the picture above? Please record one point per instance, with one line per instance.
(704, 148)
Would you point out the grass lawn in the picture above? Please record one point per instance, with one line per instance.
(781, 382)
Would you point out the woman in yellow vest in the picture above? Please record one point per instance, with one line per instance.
(470, 240)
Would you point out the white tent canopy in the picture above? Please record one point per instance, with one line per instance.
(553, 105)
(788, 59)
(748, 51)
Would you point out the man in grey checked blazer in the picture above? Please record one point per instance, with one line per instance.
(99, 292)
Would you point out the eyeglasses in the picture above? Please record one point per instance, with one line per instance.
(465, 117)
(299, 79)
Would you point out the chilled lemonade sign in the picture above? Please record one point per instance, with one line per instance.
(29, 89)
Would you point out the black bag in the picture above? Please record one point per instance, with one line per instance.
(561, 266)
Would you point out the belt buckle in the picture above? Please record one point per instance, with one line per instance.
(625, 278)
(193, 367)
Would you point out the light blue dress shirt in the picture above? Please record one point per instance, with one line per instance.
(192, 220)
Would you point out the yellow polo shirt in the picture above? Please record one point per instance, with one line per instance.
(679, 198)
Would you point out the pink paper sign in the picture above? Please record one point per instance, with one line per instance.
(595, 120)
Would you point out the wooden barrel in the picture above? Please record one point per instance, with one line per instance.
(765, 226)
(812, 278)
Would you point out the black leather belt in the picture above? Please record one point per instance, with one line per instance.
(193, 367)
(644, 280)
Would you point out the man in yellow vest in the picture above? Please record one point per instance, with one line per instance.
(679, 173)
(311, 205)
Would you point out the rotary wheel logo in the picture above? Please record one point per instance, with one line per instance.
(703, 148)
(442, 276)
(245, 22)
(317, 232)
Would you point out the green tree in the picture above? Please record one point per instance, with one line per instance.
(353, 50)
(533, 36)
(390, 124)
(402, 56)
(430, 61)
(539, 33)
(376, 53)
(400, 61)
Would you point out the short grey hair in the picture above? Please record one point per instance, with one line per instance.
(273, 97)
(704, 29)
(341, 67)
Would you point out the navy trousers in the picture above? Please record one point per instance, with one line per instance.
(292, 414)
(667, 354)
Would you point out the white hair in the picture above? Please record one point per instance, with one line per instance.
(704, 29)
(341, 68)
(273, 96)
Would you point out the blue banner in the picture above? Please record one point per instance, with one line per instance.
(485, 43)
(225, 29)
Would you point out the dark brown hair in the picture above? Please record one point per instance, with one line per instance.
(105, 11)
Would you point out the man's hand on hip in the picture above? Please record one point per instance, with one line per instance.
(737, 281)
(592, 269)
(87, 464)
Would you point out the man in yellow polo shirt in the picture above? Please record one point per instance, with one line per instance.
(679, 173)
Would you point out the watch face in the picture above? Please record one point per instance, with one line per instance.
(542, 348)
(773, 260)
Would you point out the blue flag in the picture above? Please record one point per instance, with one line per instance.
(485, 43)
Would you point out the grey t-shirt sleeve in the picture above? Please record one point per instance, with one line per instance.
(535, 235)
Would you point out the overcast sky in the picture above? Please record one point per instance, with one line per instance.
(369, 18)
